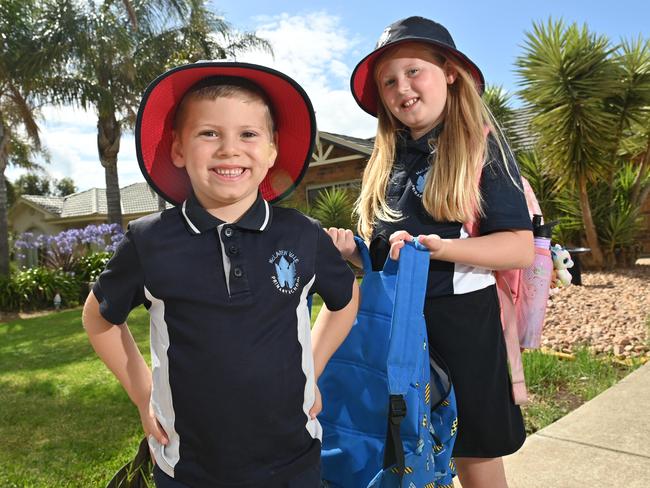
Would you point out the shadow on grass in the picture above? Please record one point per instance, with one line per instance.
(54, 340)
(75, 436)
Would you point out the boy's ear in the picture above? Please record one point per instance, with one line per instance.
(177, 151)
(274, 149)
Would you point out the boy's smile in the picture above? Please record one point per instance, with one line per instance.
(226, 146)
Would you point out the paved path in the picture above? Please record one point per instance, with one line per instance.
(603, 443)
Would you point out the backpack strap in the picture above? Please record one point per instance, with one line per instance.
(365, 254)
(406, 338)
(511, 336)
(508, 312)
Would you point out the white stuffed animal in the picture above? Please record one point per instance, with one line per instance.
(561, 263)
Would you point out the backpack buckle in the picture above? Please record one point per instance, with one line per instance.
(397, 409)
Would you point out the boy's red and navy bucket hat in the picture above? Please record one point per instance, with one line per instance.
(292, 111)
(411, 29)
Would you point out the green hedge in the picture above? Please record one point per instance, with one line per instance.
(34, 288)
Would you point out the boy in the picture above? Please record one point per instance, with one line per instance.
(232, 398)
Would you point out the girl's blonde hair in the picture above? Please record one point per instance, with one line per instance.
(452, 185)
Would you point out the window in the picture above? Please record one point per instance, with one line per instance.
(313, 191)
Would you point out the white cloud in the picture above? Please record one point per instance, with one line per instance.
(70, 136)
(312, 49)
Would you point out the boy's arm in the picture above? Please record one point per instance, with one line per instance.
(331, 329)
(116, 348)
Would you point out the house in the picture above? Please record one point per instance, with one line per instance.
(51, 215)
(337, 161)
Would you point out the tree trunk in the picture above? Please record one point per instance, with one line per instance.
(4, 224)
(108, 145)
(588, 221)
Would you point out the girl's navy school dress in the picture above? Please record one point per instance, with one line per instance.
(462, 309)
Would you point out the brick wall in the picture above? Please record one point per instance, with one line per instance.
(326, 174)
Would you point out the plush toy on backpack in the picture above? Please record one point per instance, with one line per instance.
(561, 263)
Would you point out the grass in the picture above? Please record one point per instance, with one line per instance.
(559, 384)
(65, 421)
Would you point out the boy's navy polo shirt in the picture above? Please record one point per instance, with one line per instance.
(233, 377)
(504, 208)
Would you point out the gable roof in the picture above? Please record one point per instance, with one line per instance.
(137, 198)
(51, 205)
(363, 146)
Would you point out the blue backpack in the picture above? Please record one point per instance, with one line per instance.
(389, 411)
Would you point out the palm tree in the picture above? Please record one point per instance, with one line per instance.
(114, 62)
(498, 102)
(632, 108)
(566, 74)
(24, 47)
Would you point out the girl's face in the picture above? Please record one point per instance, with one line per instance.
(412, 84)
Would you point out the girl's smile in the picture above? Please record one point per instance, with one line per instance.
(412, 83)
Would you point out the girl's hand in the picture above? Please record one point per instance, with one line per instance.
(434, 243)
(343, 239)
(397, 240)
(318, 404)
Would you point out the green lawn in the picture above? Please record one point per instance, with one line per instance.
(65, 421)
(557, 386)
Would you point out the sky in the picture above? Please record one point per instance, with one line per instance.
(318, 43)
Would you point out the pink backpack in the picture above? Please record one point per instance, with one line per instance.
(512, 288)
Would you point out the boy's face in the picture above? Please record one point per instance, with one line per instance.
(226, 147)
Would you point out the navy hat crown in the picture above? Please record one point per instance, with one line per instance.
(416, 27)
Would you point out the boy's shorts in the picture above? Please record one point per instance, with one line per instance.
(307, 479)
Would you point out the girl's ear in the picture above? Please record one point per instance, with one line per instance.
(451, 73)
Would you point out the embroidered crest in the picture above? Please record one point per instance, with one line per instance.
(285, 277)
(417, 186)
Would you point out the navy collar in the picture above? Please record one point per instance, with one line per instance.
(199, 220)
(422, 144)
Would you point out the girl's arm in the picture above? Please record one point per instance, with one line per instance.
(500, 250)
(116, 348)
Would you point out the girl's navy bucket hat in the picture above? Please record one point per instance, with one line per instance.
(412, 29)
(292, 111)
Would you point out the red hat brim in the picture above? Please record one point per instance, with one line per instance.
(294, 117)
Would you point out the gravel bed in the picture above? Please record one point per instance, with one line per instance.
(609, 314)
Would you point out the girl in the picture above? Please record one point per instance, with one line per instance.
(431, 173)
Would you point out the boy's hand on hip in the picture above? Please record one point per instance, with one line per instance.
(151, 425)
(318, 404)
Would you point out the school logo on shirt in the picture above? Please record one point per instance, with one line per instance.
(417, 185)
(285, 277)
